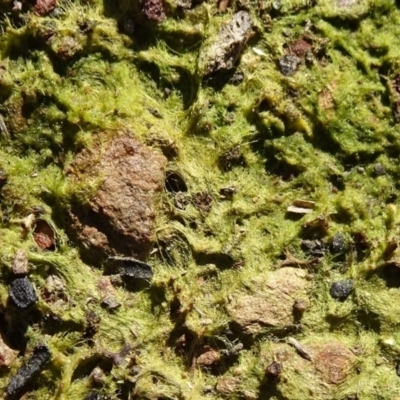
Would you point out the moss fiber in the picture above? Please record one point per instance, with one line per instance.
(317, 134)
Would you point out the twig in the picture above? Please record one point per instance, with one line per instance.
(300, 348)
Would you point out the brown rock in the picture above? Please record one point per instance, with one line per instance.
(119, 218)
(273, 304)
(208, 357)
(227, 385)
(334, 361)
(300, 48)
(44, 235)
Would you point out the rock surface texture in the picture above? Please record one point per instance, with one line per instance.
(119, 218)
(273, 306)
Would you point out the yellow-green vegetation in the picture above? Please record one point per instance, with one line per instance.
(322, 137)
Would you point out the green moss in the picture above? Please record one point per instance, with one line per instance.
(314, 135)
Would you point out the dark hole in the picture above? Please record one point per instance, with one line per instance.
(390, 273)
(221, 260)
(338, 181)
(369, 320)
(175, 183)
(87, 366)
(174, 308)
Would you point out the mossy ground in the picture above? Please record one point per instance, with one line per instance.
(316, 135)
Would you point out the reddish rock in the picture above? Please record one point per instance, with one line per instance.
(153, 10)
(208, 357)
(335, 362)
(300, 48)
(43, 7)
(119, 218)
(44, 235)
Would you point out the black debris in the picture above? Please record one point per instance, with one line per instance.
(338, 244)
(227, 192)
(288, 64)
(131, 267)
(315, 248)
(41, 355)
(23, 293)
(342, 289)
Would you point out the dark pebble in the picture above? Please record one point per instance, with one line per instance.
(41, 355)
(342, 289)
(23, 293)
(314, 248)
(136, 270)
(110, 303)
(338, 244)
(379, 169)
(274, 370)
(132, 267)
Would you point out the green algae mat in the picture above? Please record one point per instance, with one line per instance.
(199, 199)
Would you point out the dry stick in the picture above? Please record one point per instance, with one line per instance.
(300, 348)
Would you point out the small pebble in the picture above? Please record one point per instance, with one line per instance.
(338, 244)
(110, 303)
(379, 169)
(300, 305)
(341, 290)
(20, 263)
(288, 64)
(274, 370)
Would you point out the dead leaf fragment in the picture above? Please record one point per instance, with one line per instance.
(298, 210)
(304, 203)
